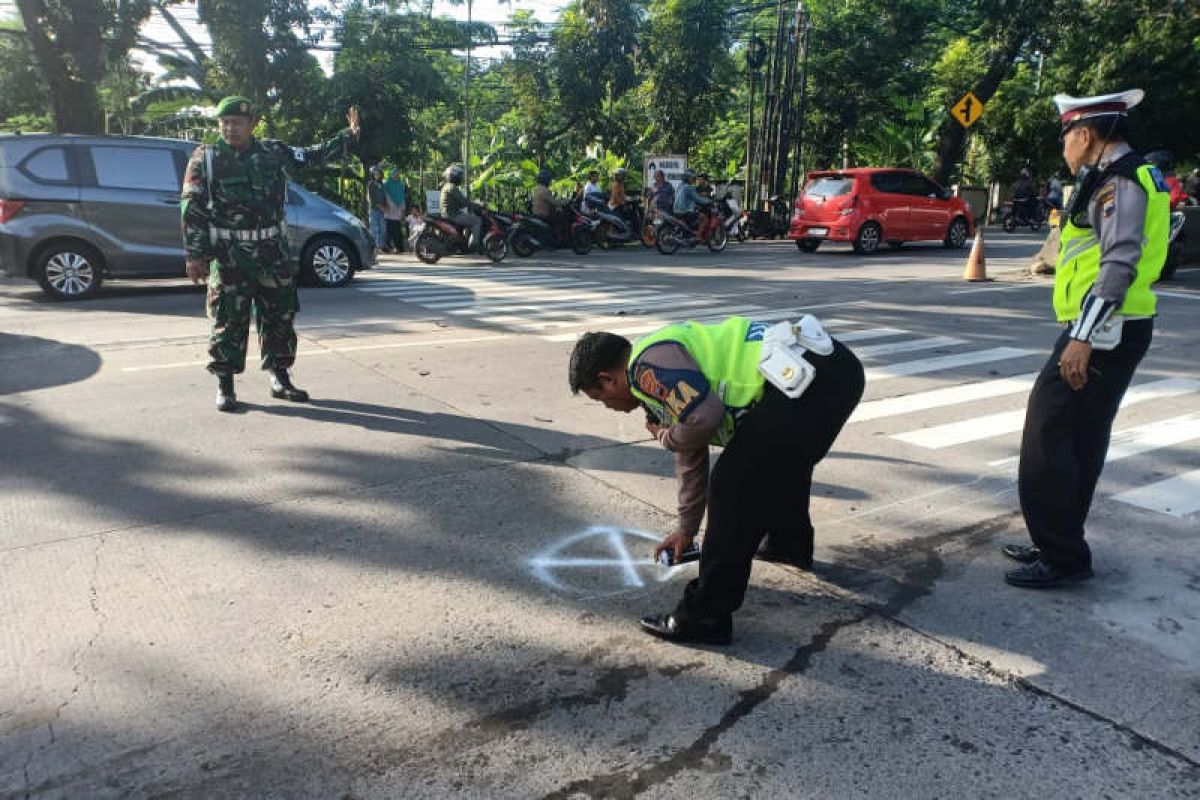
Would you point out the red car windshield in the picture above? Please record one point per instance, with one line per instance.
(830, 186)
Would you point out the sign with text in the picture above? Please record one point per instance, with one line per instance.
(672, 167)
(433, 201)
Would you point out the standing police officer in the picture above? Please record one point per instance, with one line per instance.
(1114, 243)
(775, 397)
(235, 234)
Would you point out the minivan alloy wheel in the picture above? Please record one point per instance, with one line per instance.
(331, 263)
(70, 273)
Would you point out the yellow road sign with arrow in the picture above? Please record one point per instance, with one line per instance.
(967, 110)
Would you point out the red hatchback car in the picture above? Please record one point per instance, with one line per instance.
(872, 205)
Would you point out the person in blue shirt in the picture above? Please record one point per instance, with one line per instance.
(688, 201)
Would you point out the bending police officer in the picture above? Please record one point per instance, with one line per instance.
(741, 385)
(1114, 244)
(235, 235)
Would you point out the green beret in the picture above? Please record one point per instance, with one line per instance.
(236, 107)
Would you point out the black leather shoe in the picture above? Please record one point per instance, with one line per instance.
(1025, 553)
(226, 399)
(1040, 575)
(668, 626)
(780, 557)
(282, 388)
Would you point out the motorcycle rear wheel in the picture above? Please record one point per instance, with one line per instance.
(718, 239)
(495, 247)
(1009, 223)
(523, 244)
(668, 241)
(581, 241)
(428, 248)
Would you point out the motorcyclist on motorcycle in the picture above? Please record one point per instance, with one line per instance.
(456, 208)
(688, 201)
(545, 205)
(1024, 198)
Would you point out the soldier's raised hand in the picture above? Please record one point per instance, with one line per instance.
(352, 120)
(197, 269)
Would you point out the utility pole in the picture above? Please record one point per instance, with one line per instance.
(467, 110)
(805, 30)
(784, 143)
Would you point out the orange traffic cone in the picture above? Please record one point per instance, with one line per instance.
(976, 264)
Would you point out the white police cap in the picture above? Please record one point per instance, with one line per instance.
(1073, 109)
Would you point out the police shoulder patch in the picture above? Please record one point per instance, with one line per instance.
(1106, 198)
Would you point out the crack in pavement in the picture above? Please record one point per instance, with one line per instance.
(77, 657)
(917, 580)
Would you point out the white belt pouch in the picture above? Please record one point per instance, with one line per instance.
(782, 360)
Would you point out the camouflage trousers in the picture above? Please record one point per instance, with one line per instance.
(251, 278)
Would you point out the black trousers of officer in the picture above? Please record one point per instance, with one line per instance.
(762, 480)
(1065, 443)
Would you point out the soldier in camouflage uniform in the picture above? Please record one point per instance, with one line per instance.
(235, 233)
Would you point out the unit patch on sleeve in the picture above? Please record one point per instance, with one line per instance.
(1107, 198)
(680, 390)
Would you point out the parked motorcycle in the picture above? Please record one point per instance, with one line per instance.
(441, 237)
(674, 233)
(613, 229)
(772, 224)
(1032, 213)
(583, 230)
(732, 217)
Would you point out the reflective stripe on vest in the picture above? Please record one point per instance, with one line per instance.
(727, 354)
(1079, 258)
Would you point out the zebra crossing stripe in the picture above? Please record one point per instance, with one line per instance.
(566, 310)
(654, 324)
(1178, 496)
(1156, 435)
(467, 286)
(578, 299)
(940, 398)
(906, 346)
(865, 334)
(990, 425)
(925, 365)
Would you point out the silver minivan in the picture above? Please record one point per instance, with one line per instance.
(75, 210)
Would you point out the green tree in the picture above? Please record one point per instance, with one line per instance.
(73, 42)
(23, 93)
(594, 47)
(689, 68)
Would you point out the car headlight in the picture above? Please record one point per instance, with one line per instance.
(347, 217)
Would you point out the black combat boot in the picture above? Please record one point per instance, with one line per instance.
(226, 399)
(282, 388)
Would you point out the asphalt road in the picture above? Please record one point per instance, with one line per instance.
(425, 583)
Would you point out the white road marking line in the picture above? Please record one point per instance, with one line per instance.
(938, 363)
(1001, 288)
(333, 350)
(1136, 441)
(867, 333)
(409, 285)
(579, 299)
(1178, 496)
(990, 425)
(907, 346)
(1180, 295)
(1145, 438)
(425, 289)
(940, 398)
(651, 324)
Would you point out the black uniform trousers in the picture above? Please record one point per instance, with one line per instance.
(762, 480)
(1065, 442)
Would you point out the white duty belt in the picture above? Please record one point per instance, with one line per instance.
(245, 235)
(782, 361)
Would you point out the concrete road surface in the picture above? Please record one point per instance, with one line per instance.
(425, 583)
